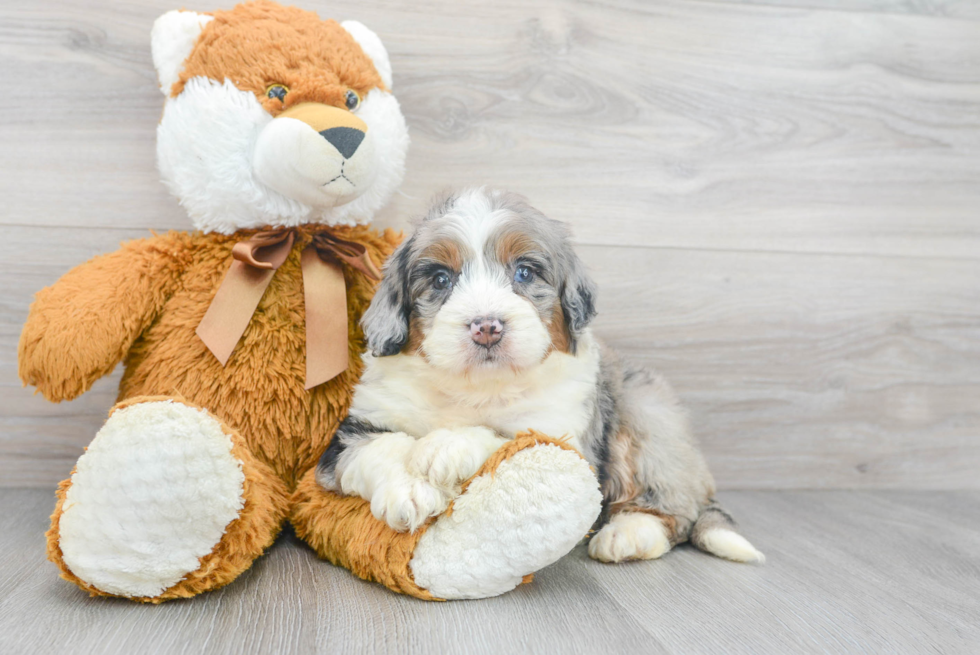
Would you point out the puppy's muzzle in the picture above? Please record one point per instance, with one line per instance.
(486, 331)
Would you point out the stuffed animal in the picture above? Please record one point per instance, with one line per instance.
(281, 138)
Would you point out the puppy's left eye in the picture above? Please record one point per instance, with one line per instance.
(523, 274)
(442, 281)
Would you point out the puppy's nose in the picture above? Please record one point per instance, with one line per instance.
(344, 139)
(486, 331)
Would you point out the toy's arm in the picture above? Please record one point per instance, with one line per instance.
(82, 326)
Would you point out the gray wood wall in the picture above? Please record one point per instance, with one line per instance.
(780, 200)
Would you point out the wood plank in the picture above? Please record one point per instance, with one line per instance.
(806, 371)
(961, 9)
(847, 572)
(679, 124)
(800, 370)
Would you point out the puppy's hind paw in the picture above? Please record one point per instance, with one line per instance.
(630, 535)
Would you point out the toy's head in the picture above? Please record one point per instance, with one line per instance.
(275, 117)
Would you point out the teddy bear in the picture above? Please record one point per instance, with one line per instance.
(281, 138)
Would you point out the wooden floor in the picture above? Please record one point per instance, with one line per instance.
(847, 572)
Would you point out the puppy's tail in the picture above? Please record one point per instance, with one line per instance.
(715, 532)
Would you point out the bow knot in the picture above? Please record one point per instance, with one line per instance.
(324, 293)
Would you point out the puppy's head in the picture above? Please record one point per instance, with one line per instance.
(486, 282)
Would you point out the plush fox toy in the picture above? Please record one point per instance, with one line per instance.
(280, 137)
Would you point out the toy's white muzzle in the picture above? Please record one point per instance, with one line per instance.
(317, 154)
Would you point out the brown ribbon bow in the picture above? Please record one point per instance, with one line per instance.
(324, 293)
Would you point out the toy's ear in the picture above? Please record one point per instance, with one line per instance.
(171, 41)
(371, 45)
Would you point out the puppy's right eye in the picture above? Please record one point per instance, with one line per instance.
(442, 281)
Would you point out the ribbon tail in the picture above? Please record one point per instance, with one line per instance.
(231, 310)
(325, 297)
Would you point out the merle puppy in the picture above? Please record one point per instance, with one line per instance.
(479, 331)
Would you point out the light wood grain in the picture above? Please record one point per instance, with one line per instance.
(676, 123)
(778, 198)
(966, 9)
(847, 572)
(800, 371)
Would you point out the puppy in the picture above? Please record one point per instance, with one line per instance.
(479, 331)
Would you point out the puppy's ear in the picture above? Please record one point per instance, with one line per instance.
(578, 294)
(385, 322)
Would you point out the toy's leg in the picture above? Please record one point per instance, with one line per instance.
(165, 503)
(529, 504)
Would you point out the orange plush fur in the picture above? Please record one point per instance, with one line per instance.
(262, 43)
(142, 303)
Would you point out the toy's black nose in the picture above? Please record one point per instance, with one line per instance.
(486, 331)
(344, 139)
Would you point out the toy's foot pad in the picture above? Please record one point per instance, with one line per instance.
(152, 495)
(508, 523)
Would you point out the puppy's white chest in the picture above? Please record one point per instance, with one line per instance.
(561, 409)
(557, 398)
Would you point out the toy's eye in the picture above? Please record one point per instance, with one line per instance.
(277, 91)
(523, 274)
(352, 100)
(442, 281)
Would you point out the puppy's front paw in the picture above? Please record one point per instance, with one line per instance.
(407, 502)
(448, 457)
(631, 535)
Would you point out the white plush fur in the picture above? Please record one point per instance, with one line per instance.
(291, 158)
(232, 166)
(630, 535)
(152, 495)
(206, 145)
(172, 38)
(731, 545)
(532, 510)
